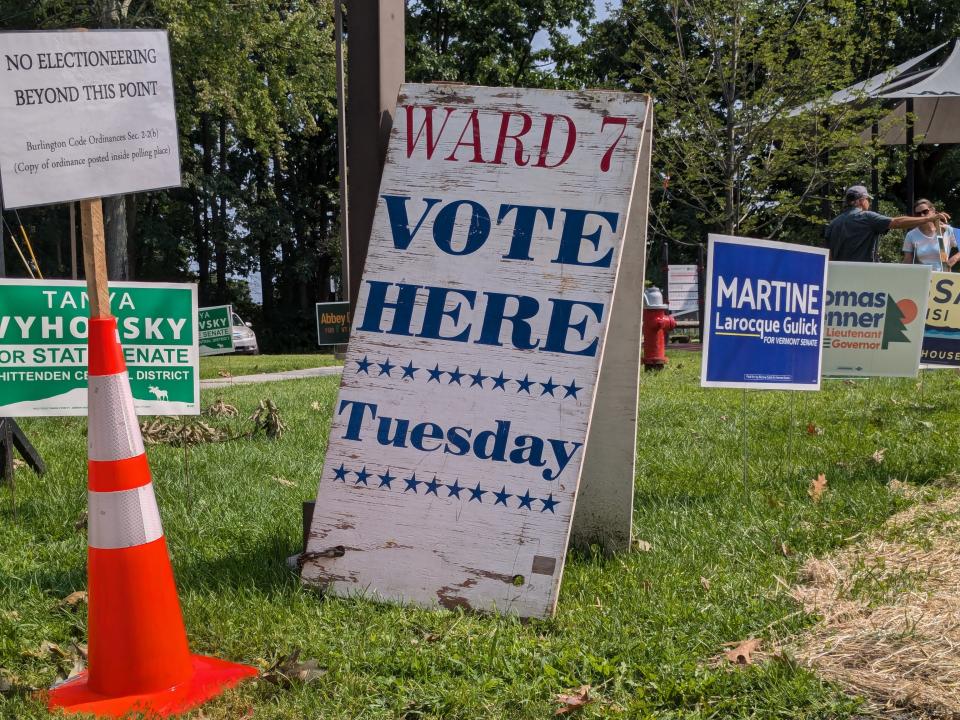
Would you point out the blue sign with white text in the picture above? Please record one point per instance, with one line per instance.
(764, 314)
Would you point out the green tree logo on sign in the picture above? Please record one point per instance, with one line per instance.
(899, 315)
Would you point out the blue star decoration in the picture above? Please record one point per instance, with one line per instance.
(477, 378)
(361, 476)
(432, 486)
(454, 490)
(386, 367)
(340, 473)
(548, 503)
(477, 494)
(525, 384)
(525, 500)
(455, 376)
(572, 389)
(499, 382)
(386, 479)
(502, 496)
(412, 483)
(409, 371)
(548, 387)
(363, 366)
(435, 373)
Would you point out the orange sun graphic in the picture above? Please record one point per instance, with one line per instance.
(909, 309)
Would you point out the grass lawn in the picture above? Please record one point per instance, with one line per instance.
(212, 366)
(640, 628)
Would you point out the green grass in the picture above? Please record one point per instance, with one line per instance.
(640, 628)
(212, 365)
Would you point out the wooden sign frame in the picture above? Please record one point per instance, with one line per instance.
(430, 543)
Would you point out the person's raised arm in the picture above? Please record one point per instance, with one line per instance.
(906, 222)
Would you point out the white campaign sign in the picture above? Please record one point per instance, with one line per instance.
(460, 430)
(683, 289)
(873, 326)
(85, 114)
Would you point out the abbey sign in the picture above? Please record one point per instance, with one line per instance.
(494, 351)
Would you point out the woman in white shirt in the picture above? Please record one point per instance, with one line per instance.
(921, 244)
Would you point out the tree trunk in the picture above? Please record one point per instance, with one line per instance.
(114, 208)
(131, 201)
(115, 230)
(287, 281)
(205, 290)
(221, 226)
(201, 249)
(265, 247)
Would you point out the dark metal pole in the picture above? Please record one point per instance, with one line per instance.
(911, 159)
(375, 71)
(826, 206)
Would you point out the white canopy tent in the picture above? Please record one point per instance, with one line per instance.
(924, 102)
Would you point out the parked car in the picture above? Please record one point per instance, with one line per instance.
(244, 339)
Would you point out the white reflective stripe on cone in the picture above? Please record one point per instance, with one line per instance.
(123, 519)
(114, 433)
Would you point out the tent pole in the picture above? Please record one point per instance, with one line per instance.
(826, 206)
(911, 158)
(875, 169)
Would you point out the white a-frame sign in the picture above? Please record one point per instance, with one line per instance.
(491, 380)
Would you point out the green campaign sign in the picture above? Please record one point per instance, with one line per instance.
(333, 323)
(43, 350)
(215, 329)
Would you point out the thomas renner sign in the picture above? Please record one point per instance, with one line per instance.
(874, 319)
(764, 314)
(460, 428)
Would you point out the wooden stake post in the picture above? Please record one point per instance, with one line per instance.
(95, 257)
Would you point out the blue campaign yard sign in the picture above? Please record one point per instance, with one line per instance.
(764, 314)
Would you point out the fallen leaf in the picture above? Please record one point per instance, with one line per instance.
(723, 417)
(288, 669)
(225, 373)
(817, 488)
(814, 430)
(704, 582)
(878, 455)
(79, 665)
(741, 652)
(47, 649)
(642, 545)
(74, 598)
(284, 481)
(785, 549)
(315, 405)
(18, 463)
(571, 702)
(81, 523)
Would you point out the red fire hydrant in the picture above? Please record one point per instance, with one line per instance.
(656, 324)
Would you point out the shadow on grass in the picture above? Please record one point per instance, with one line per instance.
(261, 567)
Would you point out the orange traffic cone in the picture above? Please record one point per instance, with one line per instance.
(138, 655)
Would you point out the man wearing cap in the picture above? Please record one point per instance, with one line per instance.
(854, 234)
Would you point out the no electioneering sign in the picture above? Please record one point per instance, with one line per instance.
(85, 114)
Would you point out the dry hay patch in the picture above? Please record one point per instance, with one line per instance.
(890, 608)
